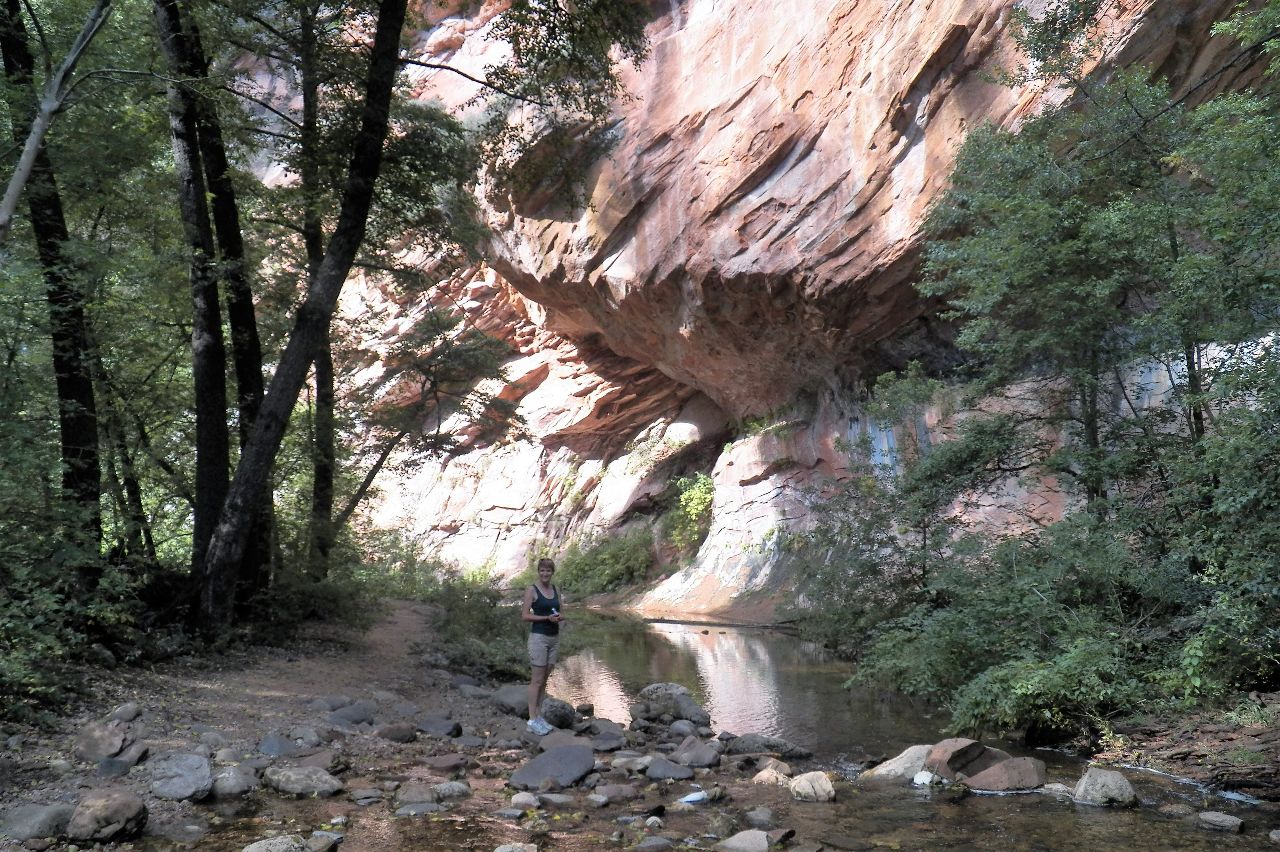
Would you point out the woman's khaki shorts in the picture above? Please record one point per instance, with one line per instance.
(543, 649)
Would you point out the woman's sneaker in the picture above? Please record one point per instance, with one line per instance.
(539, 726)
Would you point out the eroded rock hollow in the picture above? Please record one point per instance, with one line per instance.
(745, 264)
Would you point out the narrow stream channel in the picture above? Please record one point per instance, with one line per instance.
(753, 680)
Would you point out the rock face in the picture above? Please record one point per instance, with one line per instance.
(748, 251)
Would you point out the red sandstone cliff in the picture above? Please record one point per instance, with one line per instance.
(748, 252)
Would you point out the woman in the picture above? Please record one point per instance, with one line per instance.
(542, 609)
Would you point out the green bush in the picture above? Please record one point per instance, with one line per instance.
(606, 564)
(687, 524)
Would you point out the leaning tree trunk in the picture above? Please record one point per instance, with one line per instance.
(68, 323)
(323, 464)
(246, 344)
(311, 324)
(208, 351)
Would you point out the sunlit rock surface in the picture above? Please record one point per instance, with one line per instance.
(748, 250)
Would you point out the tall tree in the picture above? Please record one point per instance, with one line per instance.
(64, 279)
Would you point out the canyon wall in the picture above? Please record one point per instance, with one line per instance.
(743, 267)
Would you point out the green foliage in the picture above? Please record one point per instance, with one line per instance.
(688, 522)
(606, 564)
(1111, 271)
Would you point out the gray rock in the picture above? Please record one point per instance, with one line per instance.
(330, 703)
(178, 776)
(1218, 821)
(26, 822)
(900, 768)
(471, 690)
(232, 782)
(559, 714)
(126, 712)
(107, 815)
(669, 699)
(509, 813)
(453, 790)
(512, 698)
(302, 781)
(683, 728)
(760, 743)
(365, 796)
(557, 801)
(654, 843)
(761, 818)
(517, 847)
(99, 740)
(405, 709)
(608, 742)
(563, 766)
(524, 800)
(277, 745)
(284, 843)
(415, 792)
(420, 809)
(694, 752)
(1104, 787)
(304, 736)
(752, 840)
(397, 732)
(323, 841)
(813, 787)
(661, 769)
(618, 792)
(353, 714)
(1274, 836)
(434, 726)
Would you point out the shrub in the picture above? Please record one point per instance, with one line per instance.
(686, 525)
(605, 564)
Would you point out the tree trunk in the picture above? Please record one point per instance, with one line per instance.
(208, 351)
(68, 323)
(324, 463)
(311, 325)
(246, 344)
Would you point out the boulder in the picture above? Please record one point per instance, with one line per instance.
(1104, 787)
(694, 752)
(512, 698)
(760, 743)
(960, 756)
(301, 781)
(452, 790)
(397, 732)
(284, 843)
(752, 840)
(447, 762)
(420, 809)
(177, 776)
(415, 792)
(770, 775)
(669, 699)
(661, 769)
(901, 768)
(1218, 821)
(232, 782)
(354, 713)
(277, 745)
(434, 726)
(812, 787)
(617, 792)
(99, 740)
(1016, 773)
(559, 714)
(562, 766)
(27, 822)
(107, 815)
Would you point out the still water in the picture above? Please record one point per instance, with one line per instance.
(753, 680)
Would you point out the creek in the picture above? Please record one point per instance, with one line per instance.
(769, 682)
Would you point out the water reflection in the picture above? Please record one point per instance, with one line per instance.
(749, 680)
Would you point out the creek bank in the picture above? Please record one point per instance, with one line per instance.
(661, 778)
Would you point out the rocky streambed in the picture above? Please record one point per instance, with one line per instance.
(355, 747)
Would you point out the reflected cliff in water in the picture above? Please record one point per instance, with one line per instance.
(748, 679)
